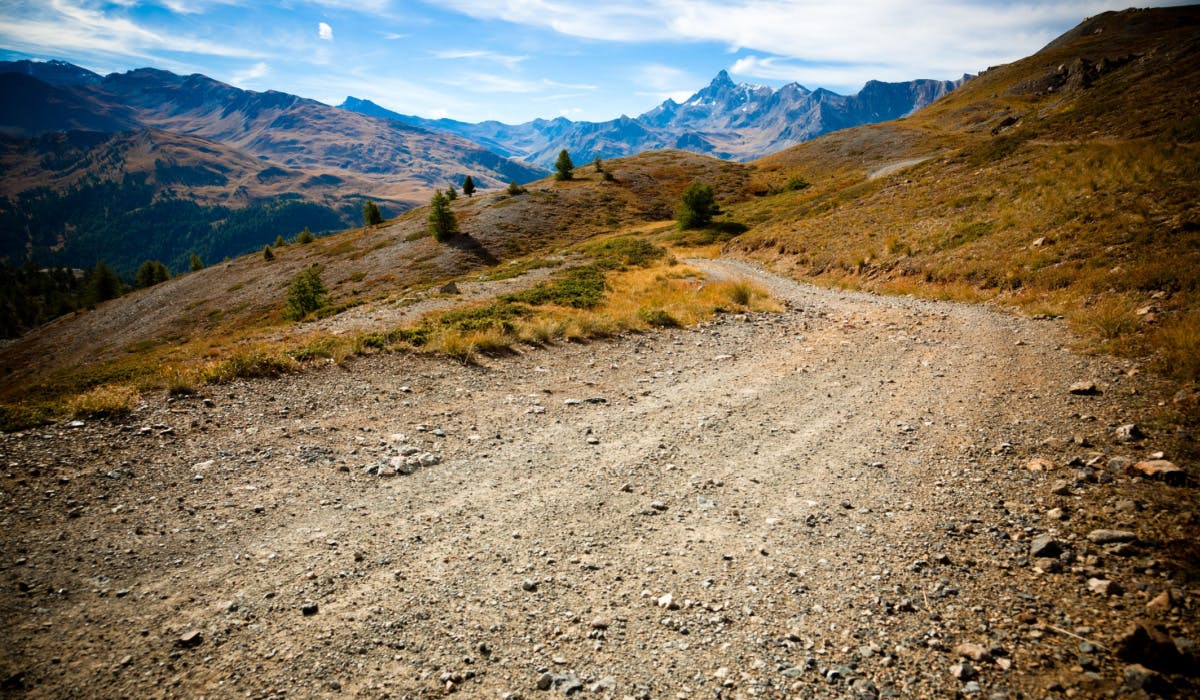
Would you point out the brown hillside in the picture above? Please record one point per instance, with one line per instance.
(1065, 183)
(237, 304)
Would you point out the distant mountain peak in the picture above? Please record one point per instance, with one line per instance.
(53, 72)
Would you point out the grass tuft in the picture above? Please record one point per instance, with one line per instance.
(248, 365)
(107, 401)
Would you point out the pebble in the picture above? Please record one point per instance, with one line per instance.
(1160, 604)
(1045, 546)
(309, 609)
(1084, 389)
(190, 639)
(974, 652)
(963, 671)
(1110, 536)
(1128, 433)
(529, 585)
(1104, 587)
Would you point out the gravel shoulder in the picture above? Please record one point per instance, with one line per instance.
(826, 502)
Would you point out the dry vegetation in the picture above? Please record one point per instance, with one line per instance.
(1064, 184)
(1078, 201)
(228, 321)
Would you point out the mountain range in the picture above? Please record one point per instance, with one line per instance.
(732, 121)
(148, 164)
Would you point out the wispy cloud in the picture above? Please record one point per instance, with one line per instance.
(508, 61)
(919, 38)
(71, 27)
(664, 82)
(324, 31)
(492, 84)
(254, 72)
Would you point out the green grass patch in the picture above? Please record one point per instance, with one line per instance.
(579, 287)
(517, 268)
(625, 251)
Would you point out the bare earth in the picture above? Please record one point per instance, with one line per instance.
(820, 503)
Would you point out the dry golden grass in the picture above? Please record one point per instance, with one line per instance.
(106, 401)
(1177, 346)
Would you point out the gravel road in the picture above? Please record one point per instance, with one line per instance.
(833, 501)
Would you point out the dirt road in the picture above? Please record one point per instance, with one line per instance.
(825, 502)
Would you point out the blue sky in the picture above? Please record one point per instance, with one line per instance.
(515, 60)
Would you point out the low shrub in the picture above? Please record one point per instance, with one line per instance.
(107, 401)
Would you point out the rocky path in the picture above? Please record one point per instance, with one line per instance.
(834, 501)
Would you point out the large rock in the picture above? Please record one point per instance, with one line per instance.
(1045, 547)
(1159, 470)
(1148, 644)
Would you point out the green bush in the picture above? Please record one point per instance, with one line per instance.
(697, 206)
(658, 318)
(579, 287)
(625, 251)
(306, 294)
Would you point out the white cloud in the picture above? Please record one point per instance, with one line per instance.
(252, 73)
(509, 62)
(855, 40)
(499, 84)
(324, 31)
(67, 28)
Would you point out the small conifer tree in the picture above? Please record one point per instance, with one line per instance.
(371, 213)
(451, 194)
(195, 264)
(151, 273)
(469, 186)
(697, 206)
(599, 164)
(103, 284)
(268, 254)
(305, 236)
(564, 169)
(305, 294)
(514, 189)
(442, 222)
(279, 242)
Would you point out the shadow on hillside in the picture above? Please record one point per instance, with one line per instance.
(468, 244)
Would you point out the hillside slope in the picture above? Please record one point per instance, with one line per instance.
(237, 303)
(1064, 183)
(148, 164)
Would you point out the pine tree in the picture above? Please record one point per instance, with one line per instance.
(151, 273)
(305, 236)
(442, 222)
(599, 164)
(268, 254)
(279, 242)
(103, 284)
(450, 193)
(697, 206)
(514, 189)
(371, 213)
(306, 294)
(563, 167)
(195, 264)
(469, 187)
